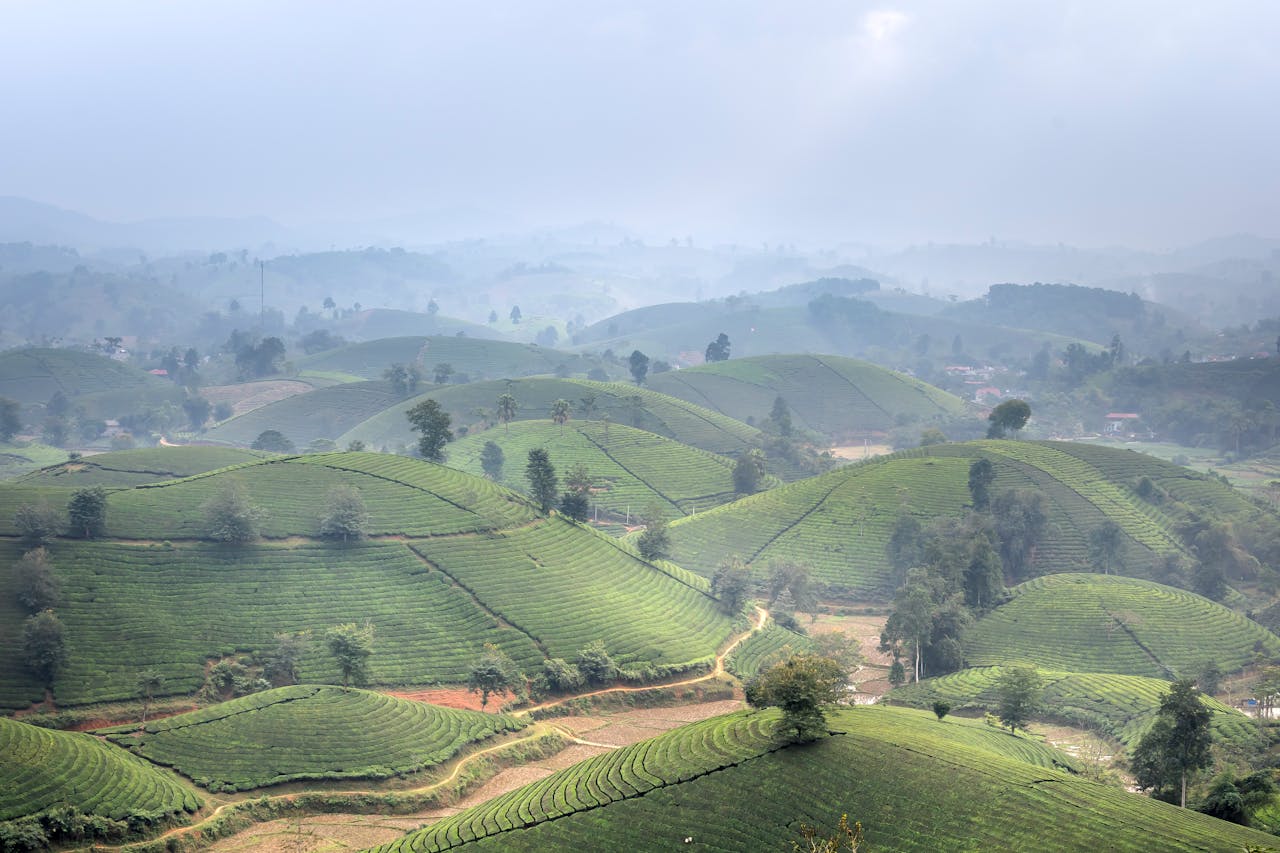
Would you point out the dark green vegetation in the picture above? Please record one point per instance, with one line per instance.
(309, 732)
(914, 783)
(1096, 623)
(471, 358)
(841, 522)
(302, 418)
(452, 562)
(628, 467)
(1120, 706)
(475, 407)
(45, 769)
(126, 468)
(829, 395)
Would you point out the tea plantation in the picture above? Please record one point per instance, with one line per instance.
(630, 468)
(1098, 623)
(827, 394)
(42, 769)
(476, 358)
(308, 732)
(302, 418)
(33, 375)
(125, 468)
(764, 648)
(914, 784)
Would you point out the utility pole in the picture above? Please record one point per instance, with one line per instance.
(262, 296)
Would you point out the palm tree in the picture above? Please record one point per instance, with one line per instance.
(507, 406)
(560, 410)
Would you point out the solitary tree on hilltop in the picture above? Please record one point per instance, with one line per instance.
(1018, 689)
(800, 686)
(273, 441)
(1008, 417)
(560, 411)
(1176, 745)
(639, 363)
(718, 350)
(346, 516)
(432, 423)
(230, 516)
(507, 408)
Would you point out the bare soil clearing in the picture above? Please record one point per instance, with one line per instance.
(247, 396)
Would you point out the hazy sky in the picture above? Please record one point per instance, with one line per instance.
(1150, 124)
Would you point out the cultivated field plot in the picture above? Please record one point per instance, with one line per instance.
(475, 405)
(630, 468)
(308, 732)
(478, 359)
(126, 468)
(42, 769)
(1098, 623)
(23, 458)
(246, 396)
(764, 648)
(1122, 706)
(914, 783)
(303, 418)
(831, 395)
(33, 375)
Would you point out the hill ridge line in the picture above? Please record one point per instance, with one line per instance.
(640, 479)
(816, 505)
(848, 382)
(1163, 666)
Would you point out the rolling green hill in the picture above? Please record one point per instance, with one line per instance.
(23, 458)
(302, 418)
(309, 732)
(1121, 706)
(42, 769)
(915, 784)
(475, 358)
(826, 394)
(473, 406)
(1100, 623)
(31, 376)
(840, 523)
(631, 468)
(124, 468)
(375, 323)
(455, 562)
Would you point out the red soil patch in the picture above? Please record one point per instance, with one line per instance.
(448, 697)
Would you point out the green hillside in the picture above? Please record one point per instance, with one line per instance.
(22, 458)
(915, 784)
(1120, 706)
(32, 375)
(474, 406)
(764, 648)
(302, 418)
(309, 732)
(840, 523)
(830, 395)
(124, 468)
(471, 358)
(631, 468)
(42, 769)
(455, 562)
(1100, 623)
(375, 323)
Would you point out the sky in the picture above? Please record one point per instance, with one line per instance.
(1091, 123)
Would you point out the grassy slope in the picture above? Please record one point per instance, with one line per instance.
(914, 783)
(479, 359)
(631, 467)
(40, 769)
(309, 732)
(827, 394)
(378, 323)
(459, 562)
(33, 375)
(322, 413)
(125, 468)
(625, 404)
(1122, 706)
(840, 522)
(23, 458)
(1098, 623)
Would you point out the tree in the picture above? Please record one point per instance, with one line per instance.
(800, 686)
(595, 663)
(981, 475)
(355, 445)
(280, 663)
(903, 548)
(941, 709)
(36, 586)
(229, 516)
(561, 675)
(1008, 417)
(273, 441)
(542, 478)
(749, 471)
(351, 646)
(44, 646)
(731, 585)
(515, 314)
(198, 410)
(846, 838)
(507, 408)
(150, 682)
(560, 411)
(10, 419)
(654, 543)
(718, 350)
(55, 431)
(1106, 546)
(780, 417)
(404, 378)
(493, 317)
(1018, 692)
(432, 422)
(491, 460)
(37, 524)
(345, 514)
(1176, 745)
(1020, 517)
(432, 308)
(494, 673)
(575, 505)
(639, 364)
(442, 372)
(794, 579)
(87, 512)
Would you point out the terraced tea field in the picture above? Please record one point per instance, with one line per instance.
(302, 418)
(126, 468)
(764, 648)
(375, 323)
(32, 375)
(308, 732)
(914, 783)
(42, 769)
(827, 394)
(631, 468)
(840, 523)
(23, 458)
(1121, 706)
(1098, 623)
(477, 358)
